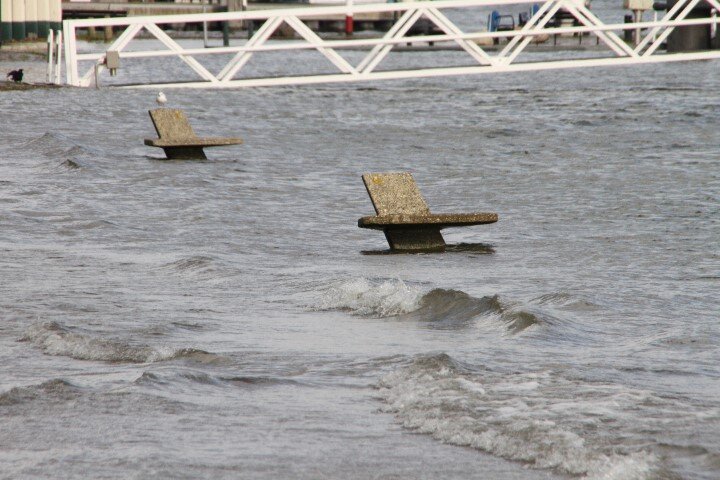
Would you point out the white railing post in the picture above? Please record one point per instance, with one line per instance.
(50, 47)
(71, 61)
(59, 50)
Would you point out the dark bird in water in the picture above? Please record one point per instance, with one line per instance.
(15, 75)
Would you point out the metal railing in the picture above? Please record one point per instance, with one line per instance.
(613, 49)
(54, 57)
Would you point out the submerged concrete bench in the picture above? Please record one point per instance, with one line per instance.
(177, 138)
(405, 218)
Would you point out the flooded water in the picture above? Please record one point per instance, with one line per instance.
(227, 318)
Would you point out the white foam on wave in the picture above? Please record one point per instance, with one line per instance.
(56, 339)
(539, 418)
(361, 296)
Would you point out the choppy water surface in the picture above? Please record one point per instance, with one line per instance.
(223, 319)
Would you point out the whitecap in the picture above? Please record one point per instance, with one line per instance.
(56, 339)
(539, 418)
(439, 308)
(371, 298)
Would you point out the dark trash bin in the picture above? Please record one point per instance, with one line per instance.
(692, 38)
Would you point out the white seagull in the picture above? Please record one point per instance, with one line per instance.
(161, 99)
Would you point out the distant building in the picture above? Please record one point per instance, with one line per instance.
(29, 19)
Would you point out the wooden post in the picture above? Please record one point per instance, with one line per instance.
(108, 31)
(349, 18)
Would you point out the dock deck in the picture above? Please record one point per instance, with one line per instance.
(370, 20)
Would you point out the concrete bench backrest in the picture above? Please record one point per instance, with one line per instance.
(171, 124)
(395, 193)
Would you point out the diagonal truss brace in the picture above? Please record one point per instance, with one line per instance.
(539, 20)
(378, 48)
(610, 38)
(316, 41)
(265, 32)
(242, 57)
(451, 29)
(668, 30)
(398, 31)
(530, 25)
(173, 45)
(652, 34)
(581, 13)
(406, 22)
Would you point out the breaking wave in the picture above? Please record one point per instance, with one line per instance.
(379, 299)
(540, 418)
(56, 339)
(440, 308)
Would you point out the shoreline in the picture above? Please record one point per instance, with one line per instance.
(23, 51)
(6, 86)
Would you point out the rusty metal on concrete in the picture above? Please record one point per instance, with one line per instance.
(404, 216)
(177, 137)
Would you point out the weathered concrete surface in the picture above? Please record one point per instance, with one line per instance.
(171, 124)
(404, 216)
(415, 239)
(437, 220)
(198, 141)
(395, 193)
(177, 137)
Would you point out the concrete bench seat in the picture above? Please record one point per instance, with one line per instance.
(404, 216)
(439, 220)
(177, 137)
(193, 142)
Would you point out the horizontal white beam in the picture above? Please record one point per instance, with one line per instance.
(440, 72)
(283, 45)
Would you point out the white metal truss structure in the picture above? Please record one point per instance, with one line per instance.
(614, 50)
